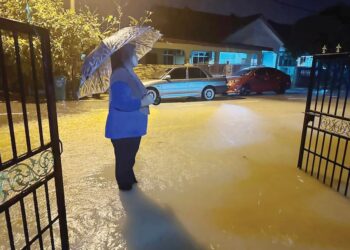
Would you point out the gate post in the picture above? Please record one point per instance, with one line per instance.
(307, 109)
(52, 115)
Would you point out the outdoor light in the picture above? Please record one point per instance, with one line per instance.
(324, 49)
(338, 48)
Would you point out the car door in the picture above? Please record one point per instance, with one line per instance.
(276, 79)
(261, 81)
(176, 85)
(198, 80)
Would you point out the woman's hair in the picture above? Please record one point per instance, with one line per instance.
(120, 56)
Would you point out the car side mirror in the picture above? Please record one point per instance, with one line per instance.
(167, 77)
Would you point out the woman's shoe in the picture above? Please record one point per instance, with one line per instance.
(125, 187)
(134, 177)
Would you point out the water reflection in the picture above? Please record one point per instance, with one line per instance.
(149, 226)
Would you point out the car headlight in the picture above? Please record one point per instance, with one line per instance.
(237, 87)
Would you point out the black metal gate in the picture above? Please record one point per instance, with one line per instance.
(32, 206)
(325, 149)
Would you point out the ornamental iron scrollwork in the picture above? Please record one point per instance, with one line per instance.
(337, 126)
(22, 175)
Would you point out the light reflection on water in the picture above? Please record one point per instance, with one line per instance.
(214, 175)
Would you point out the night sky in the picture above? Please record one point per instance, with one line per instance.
(283, 11)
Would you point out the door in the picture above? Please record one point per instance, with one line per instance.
(32, 203)
(198, 80)
(261, 81)
(325, 150)
(277, 80)
(177, 85)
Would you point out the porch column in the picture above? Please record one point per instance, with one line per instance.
(72, 5)
(217, 57)
(187, 52)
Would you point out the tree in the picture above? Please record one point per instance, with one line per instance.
(330, 27)
(72, 33)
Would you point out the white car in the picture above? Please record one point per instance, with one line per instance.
(185, 81)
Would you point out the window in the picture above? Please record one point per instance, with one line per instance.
(159, 74)
(172, 56)
(242, 72)
(196, 73)
(269, 58)
(168, 57)
(286, 59)
(202, 57)
(305, 61)
(234, 58)
(254, 60)
(179, 73)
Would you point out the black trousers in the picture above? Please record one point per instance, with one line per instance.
(125, 151)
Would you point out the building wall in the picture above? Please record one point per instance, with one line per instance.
(188, 48)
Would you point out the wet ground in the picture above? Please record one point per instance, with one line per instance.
(212, 175)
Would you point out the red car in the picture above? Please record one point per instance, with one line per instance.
(258, 80)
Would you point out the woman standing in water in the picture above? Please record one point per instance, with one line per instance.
(128, 114)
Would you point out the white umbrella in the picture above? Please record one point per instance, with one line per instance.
(96, 69)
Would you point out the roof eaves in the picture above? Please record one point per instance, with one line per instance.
(220, 45)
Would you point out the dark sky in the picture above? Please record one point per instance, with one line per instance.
(283, 11)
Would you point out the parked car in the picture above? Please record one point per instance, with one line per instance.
(258, 79)
(185, 81)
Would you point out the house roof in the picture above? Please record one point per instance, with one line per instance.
(187, 24)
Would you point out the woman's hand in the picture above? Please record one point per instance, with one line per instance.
(147, 100)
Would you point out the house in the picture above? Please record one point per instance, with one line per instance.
(172, 51)
(213, 40)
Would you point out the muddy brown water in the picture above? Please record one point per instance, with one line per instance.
(212, 175)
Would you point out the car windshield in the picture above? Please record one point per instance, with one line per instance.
(242, 72)
(160, 73)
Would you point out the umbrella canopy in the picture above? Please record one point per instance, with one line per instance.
(96, 69)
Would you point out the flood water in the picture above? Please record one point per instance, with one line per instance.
(212, 175)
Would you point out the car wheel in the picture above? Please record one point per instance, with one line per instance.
(245, 90)
(155, 95)
(208, 93)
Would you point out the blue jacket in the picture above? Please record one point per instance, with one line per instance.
(126, 118)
